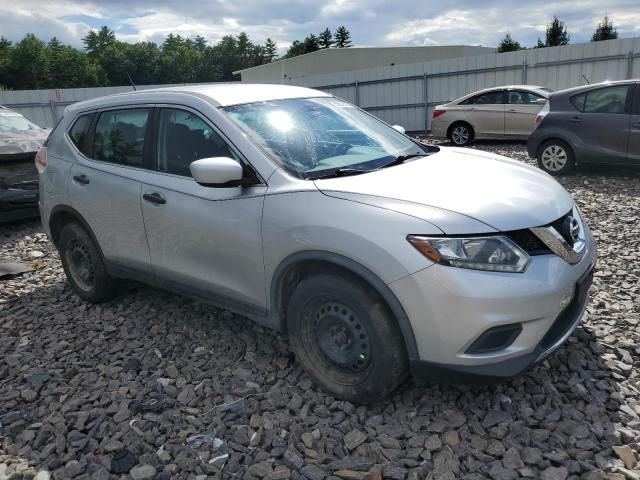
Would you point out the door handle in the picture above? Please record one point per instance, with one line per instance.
(636, 125)
(82, 179)
(575, 120)
(154, 197)
(512, 110)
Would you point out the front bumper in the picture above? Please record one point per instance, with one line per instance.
(450, 308)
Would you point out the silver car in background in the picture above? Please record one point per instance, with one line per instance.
(507, 112)
(377, 255)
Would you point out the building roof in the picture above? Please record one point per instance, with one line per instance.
(331, 60)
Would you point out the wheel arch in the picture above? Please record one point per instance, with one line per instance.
(292, 268)
(61, 215)
(557, 138)
(458, 122)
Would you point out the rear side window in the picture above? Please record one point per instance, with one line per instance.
(119, 136)
(523, 97)
(79, 131)
(489, 98)
(602, 100)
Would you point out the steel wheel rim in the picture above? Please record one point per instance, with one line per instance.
(81, 266)
(341, 337)
(460, 135)
(554, 158)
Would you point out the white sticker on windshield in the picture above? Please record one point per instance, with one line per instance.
(9, 114)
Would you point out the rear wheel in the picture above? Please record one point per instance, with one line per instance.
(556, 157)
(83, 265)
(461, 134)
(345, 338)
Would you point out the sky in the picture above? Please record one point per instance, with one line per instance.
(371, 22)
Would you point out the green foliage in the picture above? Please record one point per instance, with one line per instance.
(325, 38)
(342, 37)
(556, 33)
(508, 44)
(605, 31)
(270, 51)
(106, 61)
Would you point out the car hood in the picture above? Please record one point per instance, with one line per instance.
(22, 142)
(457, 185)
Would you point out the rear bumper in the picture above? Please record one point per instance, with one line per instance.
(563, 326)
(18, 204)
(533, 144)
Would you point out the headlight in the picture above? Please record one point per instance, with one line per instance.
(495, 253)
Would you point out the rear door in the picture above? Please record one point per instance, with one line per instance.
(601, 123)
(634, 131)
(521, 111)
(485, 113)
(205, 241)
(104, 185)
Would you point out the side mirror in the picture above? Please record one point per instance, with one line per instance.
(399, 128)
(541, 101)
(216, 171)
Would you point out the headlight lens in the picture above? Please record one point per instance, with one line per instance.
(495, 253)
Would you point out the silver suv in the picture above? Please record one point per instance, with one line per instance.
(377, 255)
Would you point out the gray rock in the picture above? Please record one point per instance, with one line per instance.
(512, 460)
(354, 438)
(498, 472)
(143, 472)
(313, 472)
(554, 473)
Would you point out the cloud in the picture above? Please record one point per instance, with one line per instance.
(371, 22)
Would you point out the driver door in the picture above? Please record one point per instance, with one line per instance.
(203, 241)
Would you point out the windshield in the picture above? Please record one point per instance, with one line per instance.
(312, 137)
(14, 122)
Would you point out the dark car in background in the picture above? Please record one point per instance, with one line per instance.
(20, 140)
(592, 124)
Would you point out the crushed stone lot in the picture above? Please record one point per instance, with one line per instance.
(153, 385)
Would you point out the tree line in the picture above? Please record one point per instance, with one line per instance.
(33, 63)
(556, 34)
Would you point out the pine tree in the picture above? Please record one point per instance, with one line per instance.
(508, 44)
(270, 50)
(342, 37)
(556, 33)
(605, 31)
(326, 38)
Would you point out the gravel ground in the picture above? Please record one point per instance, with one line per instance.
(152, 385)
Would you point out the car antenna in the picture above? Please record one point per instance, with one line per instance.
(586, 79)
(131, 81)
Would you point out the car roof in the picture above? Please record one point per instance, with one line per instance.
(535, 88)
(582, 88)
(220, 94)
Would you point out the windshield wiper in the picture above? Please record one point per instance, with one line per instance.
(403, 158)
(343, 172)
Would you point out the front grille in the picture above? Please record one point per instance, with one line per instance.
(526, 240)
(558, 226)
(531, 244)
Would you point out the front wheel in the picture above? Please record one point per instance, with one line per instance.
(345, 338)
(556, 158)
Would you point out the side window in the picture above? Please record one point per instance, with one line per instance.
(489, 98)
(636, 103)
(523, 97)
(602, 100)
(79, 131)
(119, 136)
(183, 137)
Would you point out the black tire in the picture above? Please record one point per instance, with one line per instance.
(83, 265)
(556, 157)
(345, 338)
(461, 134)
